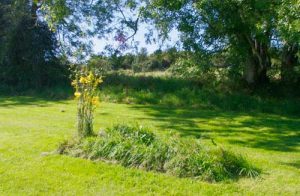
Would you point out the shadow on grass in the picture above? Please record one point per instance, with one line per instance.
(39, 98)
(239, 118)
(6, 101)
(256, 130)
(295, 164)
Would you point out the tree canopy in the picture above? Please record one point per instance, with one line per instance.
(253, 35)
(257, 31)
(29, 49)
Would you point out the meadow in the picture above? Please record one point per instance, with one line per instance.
(33, 125)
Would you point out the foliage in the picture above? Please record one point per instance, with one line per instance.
(135, 146)
(140, 62)
(251, 37)
(103, 18)
(101, 64)
(85, 84)
(194, 67)
(255, 31)
(29, 54)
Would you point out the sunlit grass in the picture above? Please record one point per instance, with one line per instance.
(30, 126)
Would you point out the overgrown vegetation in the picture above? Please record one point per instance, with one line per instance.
(135, 146)
(162, 89)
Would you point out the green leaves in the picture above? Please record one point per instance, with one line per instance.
(55, 12)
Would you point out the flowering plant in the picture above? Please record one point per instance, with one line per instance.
(85, 84)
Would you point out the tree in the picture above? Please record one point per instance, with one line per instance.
(29, 53)
(79, 20)
(245, 27)
(252, 30)
(289, 30)
(4, 23)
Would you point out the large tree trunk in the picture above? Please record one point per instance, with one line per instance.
(250, 72)
(255, 72)
(289, 61)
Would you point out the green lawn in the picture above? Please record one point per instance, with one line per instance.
(31, 126)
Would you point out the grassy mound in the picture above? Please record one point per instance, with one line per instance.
(136, 147)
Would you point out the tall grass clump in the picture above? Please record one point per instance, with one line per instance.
(137, 147)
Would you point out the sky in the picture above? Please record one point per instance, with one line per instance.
(99, 44)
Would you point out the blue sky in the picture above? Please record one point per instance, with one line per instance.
(99, 44)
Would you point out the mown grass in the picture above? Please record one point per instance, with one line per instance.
(31, 126)
(264, 128)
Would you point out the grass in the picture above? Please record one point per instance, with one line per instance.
(31, 126)
(163, 90)
(134, 146)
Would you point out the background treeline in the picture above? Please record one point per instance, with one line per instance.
(140, 62)
(219, 67)
(255, 43)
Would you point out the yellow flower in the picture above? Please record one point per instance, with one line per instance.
(90, 77)
(98, 81)
(77, 94)
(74, 83)
(83, 80)
(95, 101)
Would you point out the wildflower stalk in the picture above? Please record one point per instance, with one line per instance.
(85, 85)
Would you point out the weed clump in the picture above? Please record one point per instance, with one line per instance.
(137, 147)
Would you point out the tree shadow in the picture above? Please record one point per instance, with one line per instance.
(6, 101)
(295, 164)
(255, 130)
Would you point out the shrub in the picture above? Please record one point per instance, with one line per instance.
(137, 147)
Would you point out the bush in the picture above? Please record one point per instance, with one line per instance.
(137, 147)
